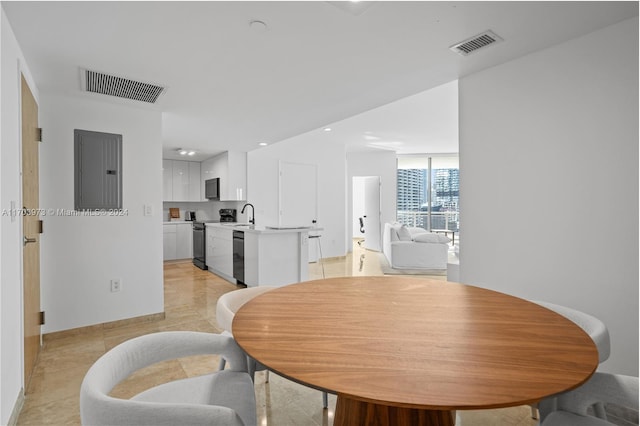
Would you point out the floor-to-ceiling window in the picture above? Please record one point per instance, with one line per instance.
(428, 191)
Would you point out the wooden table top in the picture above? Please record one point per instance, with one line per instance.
(415, 343)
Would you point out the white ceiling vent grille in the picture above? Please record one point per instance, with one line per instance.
(111, 85)
(477, 42)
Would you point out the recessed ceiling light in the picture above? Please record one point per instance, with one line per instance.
(191, 153)
(327, 129)
(263, 144)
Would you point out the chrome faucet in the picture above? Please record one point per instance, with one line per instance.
(253, 213)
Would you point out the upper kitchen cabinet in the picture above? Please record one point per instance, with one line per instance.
(180, 180)
(231, 168)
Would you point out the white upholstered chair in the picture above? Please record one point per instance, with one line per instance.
(583, 406)
(591, 325)
(221, 398)
(226, 308)
(595, 328)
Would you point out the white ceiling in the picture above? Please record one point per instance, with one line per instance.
(232, 85)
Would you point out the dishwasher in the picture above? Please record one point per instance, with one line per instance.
(199, 245)
(238, 256)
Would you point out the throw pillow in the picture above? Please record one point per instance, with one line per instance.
(404, 234)
(416, 230)
(395, 228)
(429, 237)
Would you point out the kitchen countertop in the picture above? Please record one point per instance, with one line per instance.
(176, 222)
(247, 227)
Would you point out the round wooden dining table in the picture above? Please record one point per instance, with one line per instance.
(411, 351)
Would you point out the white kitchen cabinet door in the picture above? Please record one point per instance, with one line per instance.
(169, 242)
(209, 261)
(222, 256)
(180, 181)
(184, 241)
(236, 182)
(194, 181)
(167, 180)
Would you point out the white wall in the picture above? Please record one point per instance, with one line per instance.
(11, 342)
(80, 255)
(549, 180)
(309, 148)
(376, 163)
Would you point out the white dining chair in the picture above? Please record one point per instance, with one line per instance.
(591, 325)
(220, 398)
(583, 406)
(226, 308)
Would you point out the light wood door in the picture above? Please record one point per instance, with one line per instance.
(31, 229)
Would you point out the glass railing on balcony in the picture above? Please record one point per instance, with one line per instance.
(447, 220)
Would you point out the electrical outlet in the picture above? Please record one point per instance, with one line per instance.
(116, 285)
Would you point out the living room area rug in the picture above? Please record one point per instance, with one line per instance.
(388, 270)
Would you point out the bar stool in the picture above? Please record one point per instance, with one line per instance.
(226, 308)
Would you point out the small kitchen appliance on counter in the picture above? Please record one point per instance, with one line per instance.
(228, 215)
(189, 216)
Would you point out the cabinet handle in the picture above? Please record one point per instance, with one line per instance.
(28, 240)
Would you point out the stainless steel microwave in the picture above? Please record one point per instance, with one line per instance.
(212, 189)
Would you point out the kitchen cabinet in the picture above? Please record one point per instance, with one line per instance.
(167, 180)
(231, 168)
(193, 189)
(219, 256)
(169, 242)
(177, 241)
(180, 180)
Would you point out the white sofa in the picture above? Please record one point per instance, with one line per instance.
(414, 248)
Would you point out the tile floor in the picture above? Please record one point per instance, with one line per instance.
(190, 301)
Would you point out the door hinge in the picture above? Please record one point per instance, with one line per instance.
(41, 317)
(39, 134)
(40, 227)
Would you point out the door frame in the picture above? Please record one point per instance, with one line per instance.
(377, 222)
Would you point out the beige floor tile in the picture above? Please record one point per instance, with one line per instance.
(47, 387)
(149, 377)
(199, 365)
(59, 412)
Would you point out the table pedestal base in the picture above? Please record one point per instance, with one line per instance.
(350, 412)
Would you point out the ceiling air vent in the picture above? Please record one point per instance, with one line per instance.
(111, 85)
(474, 43)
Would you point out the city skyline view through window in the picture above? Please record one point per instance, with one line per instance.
(428, 192)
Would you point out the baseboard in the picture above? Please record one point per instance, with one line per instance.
(330, 259)
(17, 409)
(104, 326)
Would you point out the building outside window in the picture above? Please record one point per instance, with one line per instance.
(428, 192)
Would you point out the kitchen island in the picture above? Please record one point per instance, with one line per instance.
(273, 256)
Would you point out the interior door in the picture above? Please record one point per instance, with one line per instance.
(31, 231)
(372, 212)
